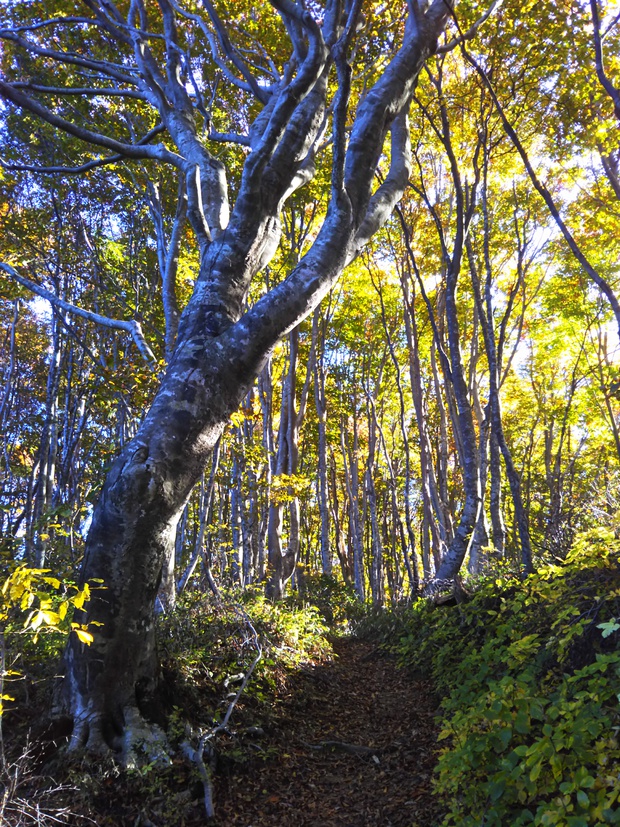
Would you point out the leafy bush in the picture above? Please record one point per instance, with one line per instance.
(33, 601)
(530, 678)
(336, 601)
(205, 643)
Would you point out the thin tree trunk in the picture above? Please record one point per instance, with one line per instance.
(351, 476)
(320, 401)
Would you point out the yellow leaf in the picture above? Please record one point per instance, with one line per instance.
(34, 620)
(16, 591)
(41, 618)
(84, 636)
(27, 600)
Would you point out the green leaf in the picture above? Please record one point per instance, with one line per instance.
(583, 799)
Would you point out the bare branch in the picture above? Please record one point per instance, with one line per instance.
(81, 91)
(112, 70)
(53, 21)
(132, 327)
(96, 162)
(232, 54)
(472, 31)
(229, 138)
(158, 152)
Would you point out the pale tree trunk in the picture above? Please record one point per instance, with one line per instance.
(345, 560)
(205, 511)
(376, 545)
(350, 458)
(7, 405)
(168, 249)
(265, 394)
(236, 560)
(457, 392)
(435, 507)
(43, 488)
(443, 459)
(604, 370)
(498, 527)
(252, 512)
(320, 402)
(480, 538)
(559, 468)
(282, 562)
(409, 551)
(486, 313)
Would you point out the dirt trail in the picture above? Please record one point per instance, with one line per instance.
(350, 745)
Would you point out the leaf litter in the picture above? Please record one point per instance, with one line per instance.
(348, 742)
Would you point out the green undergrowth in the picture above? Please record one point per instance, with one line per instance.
(529, 676)
(208, 646)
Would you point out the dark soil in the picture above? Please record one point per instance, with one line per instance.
(314, 776)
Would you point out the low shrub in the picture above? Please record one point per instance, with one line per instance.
(206, 644)
(530, 679)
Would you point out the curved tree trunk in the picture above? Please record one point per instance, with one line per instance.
(109, 686)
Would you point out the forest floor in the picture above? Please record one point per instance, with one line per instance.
(351, 743)
(348, 741)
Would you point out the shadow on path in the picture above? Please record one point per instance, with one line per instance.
(350, 744)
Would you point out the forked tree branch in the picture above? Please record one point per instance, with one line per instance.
(137, 151)
(132, 327)
(472, 31)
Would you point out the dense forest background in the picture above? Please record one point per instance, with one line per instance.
(463, 371)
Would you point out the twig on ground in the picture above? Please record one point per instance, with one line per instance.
(207, 739)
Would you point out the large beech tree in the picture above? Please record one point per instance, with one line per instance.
(169, 84)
